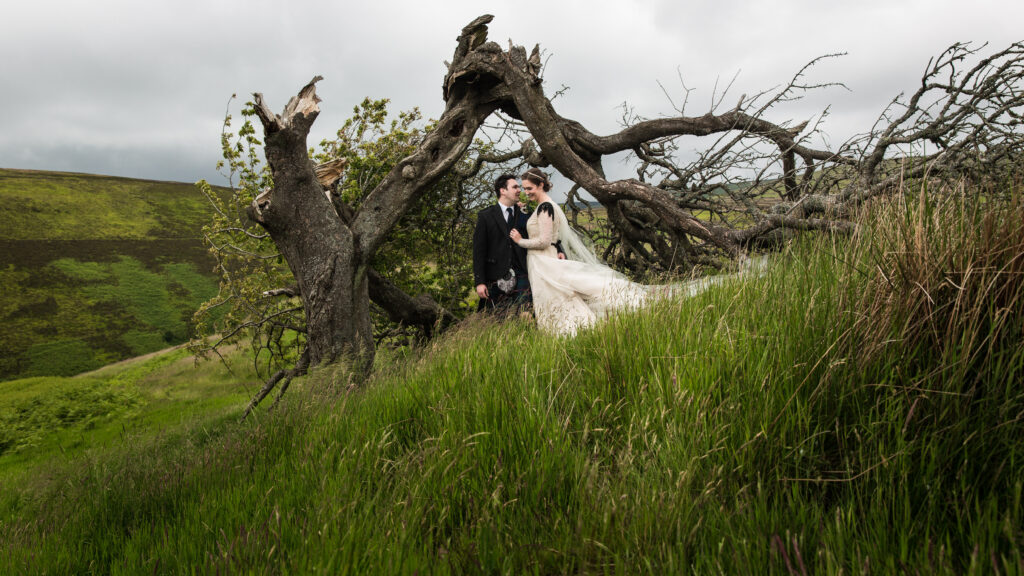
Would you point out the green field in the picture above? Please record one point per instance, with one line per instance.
(51, 419)
(69, 206)
(95, 269)
(856, 408)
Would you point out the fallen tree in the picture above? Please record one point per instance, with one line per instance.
(757, 177)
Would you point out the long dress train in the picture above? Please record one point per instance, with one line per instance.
(571, 294)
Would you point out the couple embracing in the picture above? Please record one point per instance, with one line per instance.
(522, 257)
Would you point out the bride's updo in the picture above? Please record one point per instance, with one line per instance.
(538, 178)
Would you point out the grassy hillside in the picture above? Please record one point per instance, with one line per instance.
(854, 409)
(69, 206)
(47, 421)
(96, 268)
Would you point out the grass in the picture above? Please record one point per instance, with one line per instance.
(71, 316)
(854, 409)
(39, 406)
(97, 269)
(49, 421)
(70, 206)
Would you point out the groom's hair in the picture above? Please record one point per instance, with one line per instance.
(502, 182)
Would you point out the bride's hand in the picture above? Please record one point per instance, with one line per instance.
(515, 236)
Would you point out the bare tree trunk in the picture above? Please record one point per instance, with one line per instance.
(329, 251)
(319, 248)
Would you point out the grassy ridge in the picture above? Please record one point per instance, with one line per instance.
(71, 206)
(48, 421)
(854, 409)
(96, 268)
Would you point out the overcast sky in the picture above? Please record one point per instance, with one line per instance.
(139, 88)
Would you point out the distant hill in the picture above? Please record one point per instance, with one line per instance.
(95, 269)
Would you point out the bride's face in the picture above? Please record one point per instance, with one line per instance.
(531, 189)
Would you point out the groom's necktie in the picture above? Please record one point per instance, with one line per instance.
(509, 219)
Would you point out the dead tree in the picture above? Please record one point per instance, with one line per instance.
(328, 245)
(758, 178)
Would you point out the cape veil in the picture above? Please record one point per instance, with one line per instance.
(575, 248)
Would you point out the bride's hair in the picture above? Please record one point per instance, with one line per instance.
(538, 177)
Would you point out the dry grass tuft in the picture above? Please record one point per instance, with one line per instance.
(948, 277)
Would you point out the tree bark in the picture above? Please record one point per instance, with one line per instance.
(329, 253)
(316, 244)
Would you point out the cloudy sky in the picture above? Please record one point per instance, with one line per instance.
(139, 88)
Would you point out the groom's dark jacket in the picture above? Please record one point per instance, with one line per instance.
(494, 253)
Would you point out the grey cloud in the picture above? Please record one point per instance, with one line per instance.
(140, 88)
(176, 164)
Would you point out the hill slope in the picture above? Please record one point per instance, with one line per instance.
(95, 269)
(855, 409)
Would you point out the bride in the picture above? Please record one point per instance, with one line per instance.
(573, 293)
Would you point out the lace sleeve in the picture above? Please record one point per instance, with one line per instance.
(545, 221)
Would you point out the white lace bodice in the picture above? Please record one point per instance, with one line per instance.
(541, 228)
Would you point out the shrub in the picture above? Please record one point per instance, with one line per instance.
(50, 404)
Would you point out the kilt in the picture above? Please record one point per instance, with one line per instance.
(519, 299)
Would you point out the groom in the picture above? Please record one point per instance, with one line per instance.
(499, 265)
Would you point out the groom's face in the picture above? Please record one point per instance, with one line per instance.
(510, 193)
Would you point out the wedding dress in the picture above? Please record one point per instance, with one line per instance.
(571, 294)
